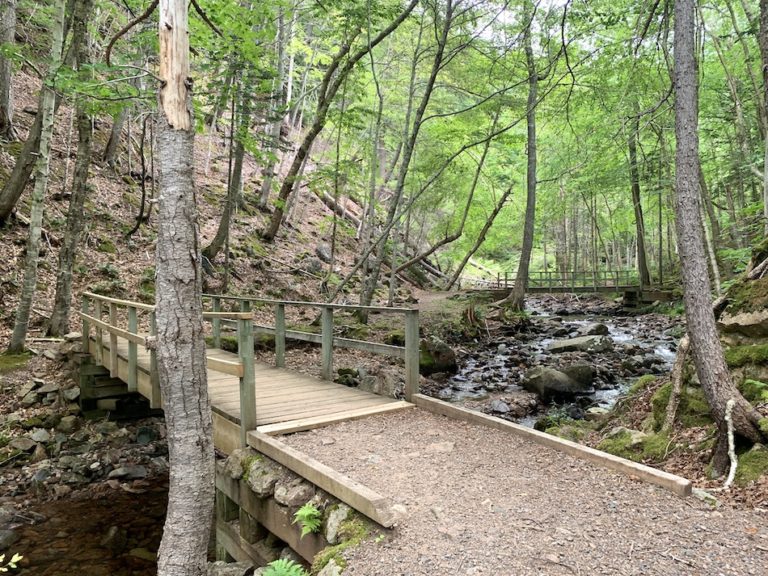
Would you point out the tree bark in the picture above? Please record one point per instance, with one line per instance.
(59, 323)
(7, 32)
(180, 341)
(115, 135)
(705, 344)
(763, 42)
(516, 299)
(634, 176)
(46, 113)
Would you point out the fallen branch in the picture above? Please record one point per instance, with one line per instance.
(677, 383)
(731, 444)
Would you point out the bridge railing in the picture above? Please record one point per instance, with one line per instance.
(136, 323)
(327, 340)
(595, 279)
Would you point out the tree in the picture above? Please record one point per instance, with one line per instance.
(706, 349)
(7, 32)
(42, 166)
(180, 341)
(59, 323)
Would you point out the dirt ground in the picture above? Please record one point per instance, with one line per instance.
(481, 501)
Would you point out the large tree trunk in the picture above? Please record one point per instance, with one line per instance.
(59, 323)
(180, 342)
(634, 176)
(516, 299)
(7, 32)
(46, 114)
(763, 41)
(705, 344)
(115, 135)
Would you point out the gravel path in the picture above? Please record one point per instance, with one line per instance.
(481, 501)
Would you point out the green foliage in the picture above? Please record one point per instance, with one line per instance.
(737, 356)
(752, 465)
(693, 410)
(284, 567)
(310, 518)
(351, 533)
(641, 384)
(10, 564)
(754, 391)
(9, 362)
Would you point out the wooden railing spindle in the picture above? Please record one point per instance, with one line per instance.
(280, 335)
(327, 343)
(411, 354)
(113, 341)
(133, 356)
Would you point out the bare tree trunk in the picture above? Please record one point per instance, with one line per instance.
(7, 32)
(46, 113)
(634, 175)
(115, 135)
(705, 344)
(59, 323)
(516, 299)
(180, 342)
(763, 42)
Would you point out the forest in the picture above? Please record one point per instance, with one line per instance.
(560, 206)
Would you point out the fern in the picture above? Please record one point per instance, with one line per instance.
(284, 567)
(310, 518)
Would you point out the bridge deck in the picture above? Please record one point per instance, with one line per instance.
(285, 400)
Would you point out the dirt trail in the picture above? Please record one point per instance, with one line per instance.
(481, 501)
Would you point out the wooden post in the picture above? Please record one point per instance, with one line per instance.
(327, 343)
(99, 335)
(280, 335)
(157, 400)
(248, 380)
(216, 323)
(133, 365)
(113, 341)
(411, 354)
(86, 345)
(506, 280)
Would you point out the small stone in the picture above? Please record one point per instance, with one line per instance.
(499, 407)
(262, 477)
(40, 435)
(60, 490)
(23, 444)
(106, 427)
(73, 336)
(7, 539)
(39, 454)
(30, 399)
(72, 394)
(330, 569)
(336, 517)
(233, 465)
(145, 435)
(220, 568)
(68, 424)
(327, 441)
(41, 475)
(294, 493)
(595, 413)
(143, 554)
(27, 388)
(129, 472)
(51, 355)
(115, 540)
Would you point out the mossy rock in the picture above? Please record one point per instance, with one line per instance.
(748, 296)
(9, 362)
(653, 447)
(693, 410)
(395, 338)
(574, 430)
(228, 343)
(754, 391)
(107, 247)
(351, 534)
(752, 465)
(737, 356)
(641, 384)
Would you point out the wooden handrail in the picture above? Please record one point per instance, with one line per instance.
(392, 309)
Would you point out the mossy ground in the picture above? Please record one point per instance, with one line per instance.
(738, 356)
(692, 411)
(653, 447)
(752, 465)
(351, 533)
(9, 362)
(748, 296)
(754, 391)
(641, 384)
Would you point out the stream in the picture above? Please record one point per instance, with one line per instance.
(490, 375)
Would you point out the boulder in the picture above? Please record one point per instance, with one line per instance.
(597, 329)
(584, 374)
(323, 251)
(220, 568)
(293, 493)
(129, 472)
(336, 518)
(233, 465)
(500, 407)
(68, 424)
(7, 539)
(582, 344)
(436, 356)
(23, 444)
(750, 324)
(551, 384)
(262, 476)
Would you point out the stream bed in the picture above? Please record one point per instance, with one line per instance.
(491, 375)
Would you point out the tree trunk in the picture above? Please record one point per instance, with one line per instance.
(634, 175)
(763, 41)
(115, 135)
(180, 341)
(7, 32)
(59, 323)
(46, 115)
(516, 299)
(705, 344)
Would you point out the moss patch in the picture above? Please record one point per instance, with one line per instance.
(228, 343)
(10, 362)
(653, 447)
(247, 462)
(737, 356)
(352, 532)
(641, 384)
(748, 296)
(574, 430)
(693, 410)
(752, 465)
(754, 391)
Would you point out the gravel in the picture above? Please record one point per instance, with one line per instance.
(481, 501)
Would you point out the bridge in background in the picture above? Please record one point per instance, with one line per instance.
(245, 395)
(573, 282)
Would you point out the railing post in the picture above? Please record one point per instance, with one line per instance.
(133, 381)
(157, 399)
(86, 326)
(326, 317)
(112, 341)
(97, 312)
(248, 379)
(411, 354)
(280, 335)
(216, 323)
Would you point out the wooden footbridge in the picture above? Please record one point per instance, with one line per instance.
(571, 282)
(246, 395)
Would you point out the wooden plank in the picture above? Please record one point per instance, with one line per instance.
(125, 334)
(132, 351)
(411, 354)
(280, 335)
(118, 302)
(676, 484)
(312, 422)
(247, 379)
(99, 333)
(349, 491)
(225, 366)
(383, 309)
(334, 409)
(226, 434)
(112, 340)
(326, 354)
